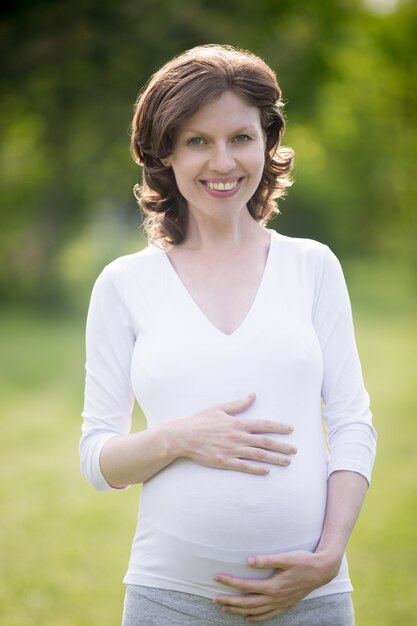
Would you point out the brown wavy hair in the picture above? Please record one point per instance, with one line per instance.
(173, 94)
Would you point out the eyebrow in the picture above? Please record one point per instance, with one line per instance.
(237, 131)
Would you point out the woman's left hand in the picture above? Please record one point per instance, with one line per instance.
(296, 575)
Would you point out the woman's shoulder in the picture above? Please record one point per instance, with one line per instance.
(306, 255)
(132, 271)
(144, 259)
(301, 245)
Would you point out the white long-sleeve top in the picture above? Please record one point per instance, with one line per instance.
(147, 339)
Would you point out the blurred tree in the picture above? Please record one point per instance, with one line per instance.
(71, 73)
(352, 120)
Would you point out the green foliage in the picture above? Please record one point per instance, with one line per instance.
(64, 548)
(71, 73)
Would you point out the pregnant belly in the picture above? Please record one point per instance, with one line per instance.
(228, 510)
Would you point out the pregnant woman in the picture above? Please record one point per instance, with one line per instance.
(237, 342)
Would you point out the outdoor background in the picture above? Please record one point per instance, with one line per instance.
(70, 74)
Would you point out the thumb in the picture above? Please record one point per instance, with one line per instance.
(276, 561)
(236, 406)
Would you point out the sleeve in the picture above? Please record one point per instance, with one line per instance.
(346, 411)
(109, 399)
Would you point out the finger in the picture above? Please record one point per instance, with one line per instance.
(283, 561)
(247, 601)
(236, 406)
(264, 616)
(265, 456)
(268, 426)
(240, 465)
(235, 610)
(248, 585)
(268, 443)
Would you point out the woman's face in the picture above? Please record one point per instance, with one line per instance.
(218, 156)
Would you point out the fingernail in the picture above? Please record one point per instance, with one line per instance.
(251, 395)
(252, 561)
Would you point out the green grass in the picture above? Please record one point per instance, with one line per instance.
(64, 548)
(383, 549)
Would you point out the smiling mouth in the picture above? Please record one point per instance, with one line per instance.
(222, 186)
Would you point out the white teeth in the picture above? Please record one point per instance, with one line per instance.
(222, 186)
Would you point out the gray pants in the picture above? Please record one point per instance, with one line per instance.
(146, 606)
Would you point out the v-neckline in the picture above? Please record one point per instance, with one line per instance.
(189, 298)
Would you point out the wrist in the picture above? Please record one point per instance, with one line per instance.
(173, 439)
(329, 562)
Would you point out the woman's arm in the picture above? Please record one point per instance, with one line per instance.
(299, 573)
(345, 496)
(211, 437)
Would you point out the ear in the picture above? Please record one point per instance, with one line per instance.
(166, 162)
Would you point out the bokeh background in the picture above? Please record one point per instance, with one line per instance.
(70, 74)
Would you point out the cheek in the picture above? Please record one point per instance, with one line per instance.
(185, 170)
(258, 162)
(182, 188)
(258, 166)
(256, 155)
(185, 179)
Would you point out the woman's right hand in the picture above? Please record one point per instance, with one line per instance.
(216, 438)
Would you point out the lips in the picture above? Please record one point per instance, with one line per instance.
(222, 187)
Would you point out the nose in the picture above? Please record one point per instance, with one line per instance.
(221, 159)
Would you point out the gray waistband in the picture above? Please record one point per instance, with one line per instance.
(147, 606)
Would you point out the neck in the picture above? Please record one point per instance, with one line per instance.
(213, 234)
